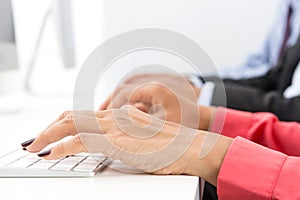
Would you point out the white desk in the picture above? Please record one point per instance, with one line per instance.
(109, 184)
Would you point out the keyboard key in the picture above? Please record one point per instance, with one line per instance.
(74, 159)
(88, 164)
(16, 153)
(96, 158)
(43, 164)
(81, 165)
(32, 156)
(11, 157)
(22, 163)
(64, 166)
(86, 167)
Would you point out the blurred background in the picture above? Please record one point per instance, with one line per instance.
(43, 43)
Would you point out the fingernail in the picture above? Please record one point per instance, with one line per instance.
(44, 153)
(27, 143)
(24, 148)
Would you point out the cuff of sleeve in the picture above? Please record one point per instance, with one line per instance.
(249, 171)
(205, 96)
(287, 185)
(195, 80)
(207, 89)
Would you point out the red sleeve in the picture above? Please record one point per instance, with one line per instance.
(261, 128)
(252, 171)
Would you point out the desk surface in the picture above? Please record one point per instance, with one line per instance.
(109, 184)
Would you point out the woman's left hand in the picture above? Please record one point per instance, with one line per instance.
(132, 136)
(127, 134)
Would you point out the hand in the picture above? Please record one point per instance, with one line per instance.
(135, 138)
(165, 79)
(165, 96)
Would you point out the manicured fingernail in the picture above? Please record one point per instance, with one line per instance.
(44, 153)
(24, 148)
(27, 143)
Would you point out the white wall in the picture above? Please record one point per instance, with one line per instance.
(227, 30)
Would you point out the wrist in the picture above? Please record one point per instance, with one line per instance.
(206, 155)
(205, 117)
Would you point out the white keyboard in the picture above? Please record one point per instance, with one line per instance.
(19, 163)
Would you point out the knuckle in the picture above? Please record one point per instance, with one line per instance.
(44, 136)
(60, 148)
(64, 114)
(105, 113)
(69, 118)
(77, 142)
(126, 108)
(117, 141)
(69, 121)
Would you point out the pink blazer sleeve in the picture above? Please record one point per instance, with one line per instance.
(266, 170)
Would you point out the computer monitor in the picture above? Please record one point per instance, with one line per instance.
(12, 77)
(9, 69)
(8, 51)
(10, 83)
(62, 13)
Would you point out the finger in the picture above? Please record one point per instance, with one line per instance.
(64, 126)
(142, 106)
(120, 97)
(63, 115)
(100, 143)
(106, 103)
(71, 124)
(140, 78)
(128, 94)
(66, 113)
(143, 94)
(147, 78)
(116, 99)
(63, 149)
(53, 133)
